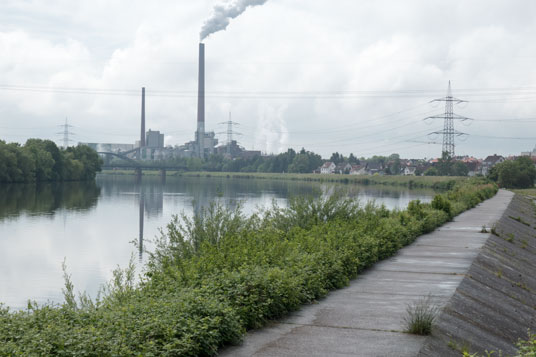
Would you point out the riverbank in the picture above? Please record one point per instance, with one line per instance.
(494, 306)
(434, 182)
(213, 277)
(367, 317)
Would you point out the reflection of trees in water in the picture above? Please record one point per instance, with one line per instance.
(230, 192)
(47, 198)
(201, 191)
(386, 191)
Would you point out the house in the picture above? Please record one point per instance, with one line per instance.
(358, 170)
(489, 162)
(343, 168)
(327, 168)
(473, 168)
(375, 168)
(409, 171)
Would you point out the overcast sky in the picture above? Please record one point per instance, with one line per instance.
(345, 75)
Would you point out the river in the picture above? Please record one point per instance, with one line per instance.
(94, 226)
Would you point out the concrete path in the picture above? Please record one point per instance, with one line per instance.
(365, 318)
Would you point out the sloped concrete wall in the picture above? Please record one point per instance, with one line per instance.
(495, 304)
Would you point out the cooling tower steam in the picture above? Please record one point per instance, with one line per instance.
(223, 13)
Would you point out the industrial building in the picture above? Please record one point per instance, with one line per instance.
(151, 143)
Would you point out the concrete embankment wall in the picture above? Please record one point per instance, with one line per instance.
(495, 304)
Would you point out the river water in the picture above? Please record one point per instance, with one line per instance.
(93, 226)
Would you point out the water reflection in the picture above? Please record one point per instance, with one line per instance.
(46, 198)
(92, 225)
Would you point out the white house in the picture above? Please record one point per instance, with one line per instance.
(358, 170)
(327, 168)
(489, 162)
(409, 170)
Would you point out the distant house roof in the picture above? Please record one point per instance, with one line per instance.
(327, 164)
(493, 159)
(469, 159)
(374, 166)
(343, 166)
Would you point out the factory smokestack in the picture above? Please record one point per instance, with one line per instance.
(201, 103)
(142, 137)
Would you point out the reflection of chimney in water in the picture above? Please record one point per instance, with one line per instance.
(141, 219)
(200, 134)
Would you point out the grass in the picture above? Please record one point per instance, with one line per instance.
(437, 182)
(520, 220)
(420, 316)
(526, 191)
(216, 275)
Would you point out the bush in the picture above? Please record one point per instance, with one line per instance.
(214, 276)
(518, 173)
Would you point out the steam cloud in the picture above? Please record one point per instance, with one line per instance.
(223, 13)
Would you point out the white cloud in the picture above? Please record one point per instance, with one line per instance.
(284, 48)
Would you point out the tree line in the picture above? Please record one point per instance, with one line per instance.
(42, 161)
(289, 161)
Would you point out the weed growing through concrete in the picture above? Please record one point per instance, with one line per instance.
(484, 229)
(494, 230)
(510, 237)
(420, 316)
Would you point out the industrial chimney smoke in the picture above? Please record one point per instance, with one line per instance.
(201, 103)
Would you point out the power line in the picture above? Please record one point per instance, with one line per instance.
(248, 94)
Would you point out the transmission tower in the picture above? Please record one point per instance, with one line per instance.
(448, 121)
(229, 133)
(66, 133)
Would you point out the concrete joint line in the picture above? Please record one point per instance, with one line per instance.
(421, 272)
(343, 327)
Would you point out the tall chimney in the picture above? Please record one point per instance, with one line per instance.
(142, 137)
(201, 103)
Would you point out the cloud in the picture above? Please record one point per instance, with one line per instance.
(312, 62)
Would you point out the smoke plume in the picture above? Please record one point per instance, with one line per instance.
(223, 13)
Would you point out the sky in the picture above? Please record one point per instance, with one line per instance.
(329, 76)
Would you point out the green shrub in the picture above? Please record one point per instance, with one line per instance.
(442, 204)
(216, 275)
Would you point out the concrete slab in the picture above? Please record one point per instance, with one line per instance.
(366, 318)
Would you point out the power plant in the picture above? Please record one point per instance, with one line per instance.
(151, 143)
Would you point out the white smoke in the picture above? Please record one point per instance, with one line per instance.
(223, 13)
(271, 134)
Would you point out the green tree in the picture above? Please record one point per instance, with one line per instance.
(459, 168)
(353, 160)
(336, 158)
(432, 171)
(444, 165)
(518, 173)
(394, 164)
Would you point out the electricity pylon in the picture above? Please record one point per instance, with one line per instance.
(66, 134)
(229, 132)
(448, 122)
